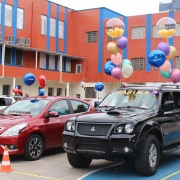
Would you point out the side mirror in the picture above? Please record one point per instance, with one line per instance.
(169, 105)
(52, 114)
(96, 104)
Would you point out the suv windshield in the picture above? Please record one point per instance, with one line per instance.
(27, 107)
(131, 98)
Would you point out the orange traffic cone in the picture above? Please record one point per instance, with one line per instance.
(6, 167)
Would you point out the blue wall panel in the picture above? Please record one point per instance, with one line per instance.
(2, 18)
(14, 20)
(148, 40)
(57, 27)
(48, 27)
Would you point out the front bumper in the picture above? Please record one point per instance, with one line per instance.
(113, 147)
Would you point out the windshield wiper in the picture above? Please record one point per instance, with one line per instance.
(15, 114)
(107, 106)
(137, 107)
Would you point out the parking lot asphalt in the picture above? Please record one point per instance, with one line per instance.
(54, 166)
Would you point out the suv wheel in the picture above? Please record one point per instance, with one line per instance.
(78, 161)
(34, 148)
(148, 161)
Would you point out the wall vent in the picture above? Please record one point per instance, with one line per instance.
(27, 42)
(78, 68)
(11, 39)
(20, 41)
(1, 36)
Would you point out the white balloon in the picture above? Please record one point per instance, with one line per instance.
(127, 70)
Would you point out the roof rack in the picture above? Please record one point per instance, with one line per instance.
(133, 85)
(164, 85)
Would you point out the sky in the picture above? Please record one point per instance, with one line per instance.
(125, 7)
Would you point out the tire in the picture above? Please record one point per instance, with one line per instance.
(78, 161)
(34, 148)
(148, 161)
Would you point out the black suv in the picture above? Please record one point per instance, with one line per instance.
(138, 123)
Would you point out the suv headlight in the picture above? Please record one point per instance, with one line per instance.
(15, 130)
(70, 126)
(129, 128)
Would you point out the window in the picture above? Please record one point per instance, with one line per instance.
(18, 86)
(78, 68)
(52, 62)
(167, 97)
(8, 15)
(52, 27)
(109, 38)
(138, 33)
(50, 91)
(78, 96)
(176, 96)
(19, 57)
(155, 32)
(177, 62)
(59, 91)
(138, 63)
(7, 56)
(61, 107)
(68, 65)
(61, 30)
(42, 61)
(92, 36)
(154, 68)
(43, 24)
(178, 30)
(107, 60)
(20, 18)
(90, 92)
(79, 107)
(6, 89)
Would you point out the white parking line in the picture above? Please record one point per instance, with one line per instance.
(98, 170)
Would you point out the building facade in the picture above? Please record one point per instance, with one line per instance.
(68, 47)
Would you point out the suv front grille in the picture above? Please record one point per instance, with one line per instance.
(94, 129)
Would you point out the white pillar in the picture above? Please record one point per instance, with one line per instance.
(14, 82)
(67, 89)
(36, 59)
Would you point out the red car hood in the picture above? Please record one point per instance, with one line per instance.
(7, 121)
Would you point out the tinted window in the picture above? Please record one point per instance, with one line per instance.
(2, 102)
(176, 96)
(61, 107)
(167, 97)
(8, 101)
(79, 106)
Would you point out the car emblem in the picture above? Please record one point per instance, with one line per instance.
(92, 129)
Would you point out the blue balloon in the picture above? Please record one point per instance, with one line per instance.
(16, 87)
(156, 58)
(108, 67)
(41, 92)
(29, 79)
(99, 86)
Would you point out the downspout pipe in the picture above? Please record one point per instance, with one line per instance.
(3, 57)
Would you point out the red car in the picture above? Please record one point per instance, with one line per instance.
(34, 124)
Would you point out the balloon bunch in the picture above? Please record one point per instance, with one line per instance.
(115, 29)
(99, 86)
(29, 80)
(17, 91)
(161, 56)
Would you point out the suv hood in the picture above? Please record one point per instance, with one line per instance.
(119, 115)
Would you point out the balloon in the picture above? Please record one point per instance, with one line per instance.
(166, 74)
(156, 58)
(116, 73)
(16, 87)
(108, 67)
(126, 61)
(163, 46)
(175, 75)
(172, 53)
(116, 59)
(127, 70)
(99, 86)
(112, 47)
(29, 79)
(166, 66)
(115, 28)
(19, 92)
(41, 92)
(42, 81)
(122, 42)
(15, 90)
(167, 27)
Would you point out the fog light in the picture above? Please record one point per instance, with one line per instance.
(126, 149)
(12, 147)
(65, 144)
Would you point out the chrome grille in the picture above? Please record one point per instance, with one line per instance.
(94, 129)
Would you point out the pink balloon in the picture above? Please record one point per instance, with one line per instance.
(116, 58)
(116, 73)
(166, 66)
(175, 75)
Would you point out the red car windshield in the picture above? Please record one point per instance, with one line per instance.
(31, 107)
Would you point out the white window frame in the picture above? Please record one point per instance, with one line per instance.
(61, 30)
(155, 34)
(138, 33)
(68, 65)
(20, 18)
(43, 25)
(52, 27)
(8, 22)
(178, 30)
(91, 36)
(42, 63)
(52, 62)
(136, 63)
(177, 62)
